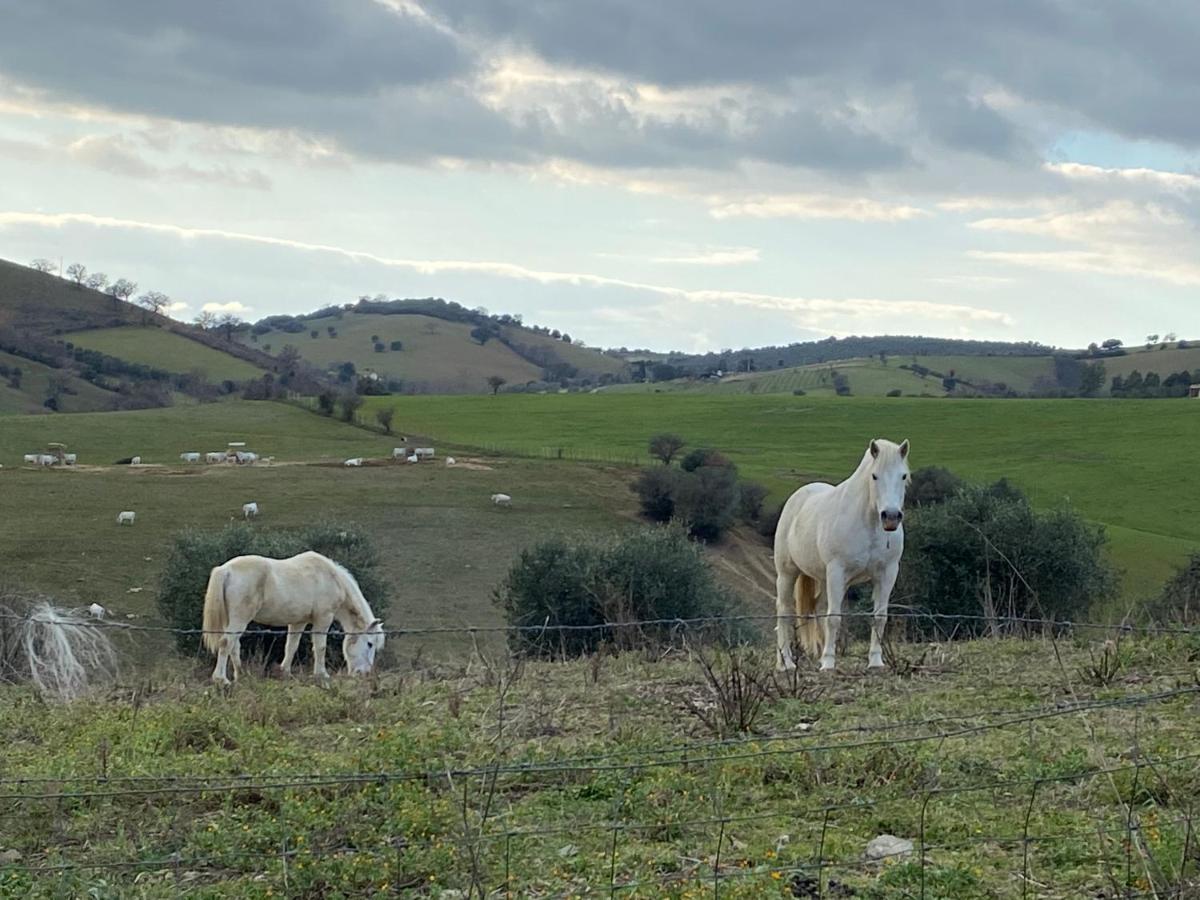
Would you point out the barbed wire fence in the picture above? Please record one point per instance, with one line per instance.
(494, 851)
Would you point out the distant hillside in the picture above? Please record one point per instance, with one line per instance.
(831, 349)
(959, 375)
(68, 348)
(435, 346)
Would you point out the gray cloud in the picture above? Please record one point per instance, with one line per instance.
(841, 87)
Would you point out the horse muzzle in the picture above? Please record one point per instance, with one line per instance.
(891, 519)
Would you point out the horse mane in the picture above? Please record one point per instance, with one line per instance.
(356, 602)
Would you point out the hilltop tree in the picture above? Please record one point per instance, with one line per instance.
(154, 302)
(1170, 337)
(96, 281)
(122, 289)
(481, 334)
(1151, 339)
(665, 447)
(43, 265)
(77, 272)
(228, 322)
(495, 382)
(206, 320)
(1113, 344)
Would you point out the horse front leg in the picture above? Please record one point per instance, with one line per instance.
(835, 593)
(320, 634)
(882, 593)
(295, 632)
(785, 621)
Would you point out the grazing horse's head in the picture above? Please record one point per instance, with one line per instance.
(889, 479)
(360, 649)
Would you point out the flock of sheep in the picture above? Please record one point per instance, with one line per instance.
(250, 510)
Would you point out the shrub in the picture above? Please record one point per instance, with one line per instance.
(380, 347)
(326, 401)
(986, 552)
(895, 392)
(350, 403)
(384, 417)
(932, 485)
(656, 491)
(1179, 600)
(704, 456)
(799, 392)
(750, 500)
(707, 500)
(195, 552)
(397, 345)
(650, 573)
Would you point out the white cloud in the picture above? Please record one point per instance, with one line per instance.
(1172, 181)
(806, 309)
(231, 307)
(816, 206)
(721, 256)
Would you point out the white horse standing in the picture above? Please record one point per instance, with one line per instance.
(304, 589)
(830, 538)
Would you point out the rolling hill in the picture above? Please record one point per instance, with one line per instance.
(922, 375)
(435, 355)
(80, 350)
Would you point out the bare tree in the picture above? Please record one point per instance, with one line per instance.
(43, 265)
(495, 382)
(77, 272)
(96, 281)
(154, 302)
(122, 289)
(207, 320)
(227, 323)
(665, 446)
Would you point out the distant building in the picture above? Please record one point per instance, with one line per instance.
(1194, 392)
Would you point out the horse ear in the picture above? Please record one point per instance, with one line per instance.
(875, 449)
(378, 622)
(904, 449)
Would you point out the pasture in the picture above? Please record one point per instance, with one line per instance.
(165, 350)
(1013, 768)
(441, 539)
(1107, 458)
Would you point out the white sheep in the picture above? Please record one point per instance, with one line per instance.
(502, 499)
(126, 517)
(249, 509)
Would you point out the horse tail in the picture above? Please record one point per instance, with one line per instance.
(809, 626)
(216, 610)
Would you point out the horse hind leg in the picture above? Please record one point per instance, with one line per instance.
(785, 620)
(219, 675)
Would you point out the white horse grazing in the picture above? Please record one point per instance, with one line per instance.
(249, 509)
(126, 517)
(830, 538)
(302, 590)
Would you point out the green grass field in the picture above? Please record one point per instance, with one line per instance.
(1104, 457)
(1005, 762)
(165, 350)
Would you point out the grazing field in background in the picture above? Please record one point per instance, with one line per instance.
(443, 545)
(1111, 459)
(165, 350)
(1012, 767)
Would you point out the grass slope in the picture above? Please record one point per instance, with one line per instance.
(588, 361)
(42, 302)
(437, 355)
(982, 755)
(1105, 457)
(165, 350)
(35, 379)
(1163, 362)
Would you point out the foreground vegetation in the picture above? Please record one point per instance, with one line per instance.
(564, 779)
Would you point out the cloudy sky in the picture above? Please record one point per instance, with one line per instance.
(689, 174)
